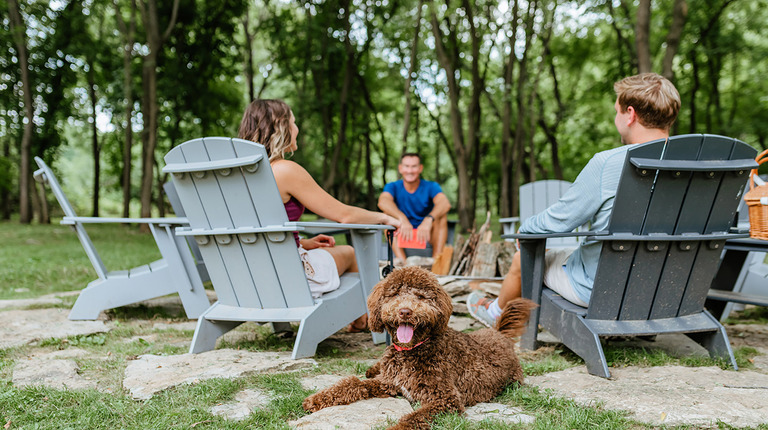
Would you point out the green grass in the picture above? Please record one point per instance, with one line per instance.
(45, 259)
(750, 315)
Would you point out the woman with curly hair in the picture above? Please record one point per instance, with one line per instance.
(271, 123)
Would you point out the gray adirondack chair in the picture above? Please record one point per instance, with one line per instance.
(238, 219)
(535, 197)
(671, 216)
(173, 199)
(175, 272)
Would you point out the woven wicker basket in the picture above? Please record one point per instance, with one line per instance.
(757, 202)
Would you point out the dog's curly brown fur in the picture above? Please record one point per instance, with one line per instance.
(441, 368)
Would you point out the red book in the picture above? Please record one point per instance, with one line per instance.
(414, 243)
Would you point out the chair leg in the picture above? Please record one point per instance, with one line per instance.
(326, 319)
(207, 332)
(379, 338)
(576, 334)
(716, 342)
(306, 341)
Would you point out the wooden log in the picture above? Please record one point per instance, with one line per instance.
(458, 246)
(504, 259)
(442, 263)
(484, 261)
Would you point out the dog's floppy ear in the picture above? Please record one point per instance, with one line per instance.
(375, 323)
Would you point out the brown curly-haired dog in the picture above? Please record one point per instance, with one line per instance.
(429, 362)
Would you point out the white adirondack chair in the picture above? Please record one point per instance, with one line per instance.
(238, 219)
(535, 197)
(175, 272)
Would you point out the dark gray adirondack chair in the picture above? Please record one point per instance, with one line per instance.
(534, 197)
(238, 219)
(672, 213)
(174, 273)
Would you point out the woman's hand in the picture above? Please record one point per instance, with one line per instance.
(394, 222)
(319, 241)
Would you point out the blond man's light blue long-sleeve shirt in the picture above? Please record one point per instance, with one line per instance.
(589, 199)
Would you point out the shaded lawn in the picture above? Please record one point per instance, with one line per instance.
(44, 259)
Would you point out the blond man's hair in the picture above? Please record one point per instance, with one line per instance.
(654, 98)
(268, 122)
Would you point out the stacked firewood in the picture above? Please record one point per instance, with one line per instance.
(477, 256)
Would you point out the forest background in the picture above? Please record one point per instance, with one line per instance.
(493, 94)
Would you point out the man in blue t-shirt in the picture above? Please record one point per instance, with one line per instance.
(418, 204)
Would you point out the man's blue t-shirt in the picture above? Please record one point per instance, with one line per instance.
(414, 205)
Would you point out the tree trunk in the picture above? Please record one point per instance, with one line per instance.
(411, 70)
(379, 127)
(95, 149)
(507, 191)
(627, 61)
(679, 15)
(522, 107)
(5, 192)
(462, 153)
(248, 52)
(642, 36)
(155, 42)
(474, 110)
(44, 216)
(349, 64)
(18, 31)
(129, 33)
(694, 89)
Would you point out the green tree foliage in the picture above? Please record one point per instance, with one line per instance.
(529, 94)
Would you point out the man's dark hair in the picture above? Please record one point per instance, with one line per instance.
(410, 154)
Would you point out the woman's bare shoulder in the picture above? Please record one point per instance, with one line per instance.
(286, 167)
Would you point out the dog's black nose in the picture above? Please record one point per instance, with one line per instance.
(405, 313)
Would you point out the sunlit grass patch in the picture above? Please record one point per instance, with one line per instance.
(44, 259)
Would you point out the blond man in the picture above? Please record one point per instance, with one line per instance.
(646, 107)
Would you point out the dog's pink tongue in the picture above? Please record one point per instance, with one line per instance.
(404, 333)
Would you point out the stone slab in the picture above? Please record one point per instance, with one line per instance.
(668, 395)
(58, 374)
(20, 327)
(150, 374)
(245, 402)
(320, 382)
(362, 415)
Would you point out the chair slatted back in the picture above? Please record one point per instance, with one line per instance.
(537, 196)
(258, 270)
(641, 280)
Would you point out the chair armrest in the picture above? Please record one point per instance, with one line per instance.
(670, 238)
(529, 236)
(325, 227)
(287, 227)
(203, 166)
(188, 231)
(694, 165)
(72, 220)
(509, 220)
